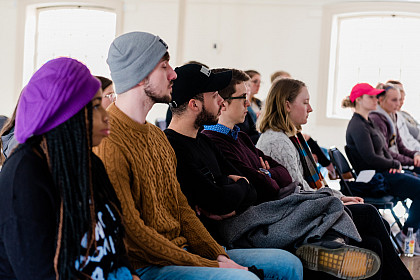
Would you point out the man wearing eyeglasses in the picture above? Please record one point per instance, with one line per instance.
(211, 184)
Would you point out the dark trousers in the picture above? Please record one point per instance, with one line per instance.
(406, 185)
(375, 236)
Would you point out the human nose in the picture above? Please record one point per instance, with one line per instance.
(171, 73)
(219, 99)
(247, 103)
(309, 108)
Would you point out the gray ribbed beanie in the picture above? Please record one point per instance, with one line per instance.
(132, 56)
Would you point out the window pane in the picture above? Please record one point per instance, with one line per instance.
(375, 49)
(83, 34)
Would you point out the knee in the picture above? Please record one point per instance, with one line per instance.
(295, 268)
(232, 274)
(284, 263)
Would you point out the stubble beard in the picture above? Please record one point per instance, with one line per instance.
(151, 93)
(206, 118)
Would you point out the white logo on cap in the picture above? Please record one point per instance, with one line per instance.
(205, 71)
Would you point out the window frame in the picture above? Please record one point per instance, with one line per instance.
(27, 18)
(328, 57)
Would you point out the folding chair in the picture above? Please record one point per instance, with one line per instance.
(344, 171)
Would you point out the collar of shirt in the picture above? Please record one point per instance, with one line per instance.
(224, 130)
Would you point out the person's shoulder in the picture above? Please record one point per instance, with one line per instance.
(172, 135)
(376, 116)
(242, 136)
(276, 135)
(24, 164)
(272, 138)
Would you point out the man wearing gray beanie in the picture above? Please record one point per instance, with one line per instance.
(164, 237)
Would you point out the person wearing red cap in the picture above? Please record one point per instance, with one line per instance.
(59, 214)
(368, 150)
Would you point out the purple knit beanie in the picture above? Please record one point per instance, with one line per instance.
(55, 93)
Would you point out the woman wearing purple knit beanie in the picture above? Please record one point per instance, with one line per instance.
(59, 215)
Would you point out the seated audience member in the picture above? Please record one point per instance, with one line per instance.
(279, 74)
(368, 151)
(248, 126)
(402, 125)
(411, 123)
(169, 112)
(286, 110)
(385, 118)
(317, 152)
(164, 237)
(8, 140)
(108, 94)
(202, 176)
(58, 208)
(254, 84)
(3, 120)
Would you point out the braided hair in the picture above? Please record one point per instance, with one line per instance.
(78, 175)
(68, 154)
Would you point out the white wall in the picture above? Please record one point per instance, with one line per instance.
(8, 26)
(265, 35)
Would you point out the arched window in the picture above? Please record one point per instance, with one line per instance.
(373, 46)
(80, 32)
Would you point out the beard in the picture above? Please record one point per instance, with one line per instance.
(150, 91)
(206, 118)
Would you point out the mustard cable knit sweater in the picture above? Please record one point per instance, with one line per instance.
(159, 223)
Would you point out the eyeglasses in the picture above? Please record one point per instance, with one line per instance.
(243, 96)
(112, 96)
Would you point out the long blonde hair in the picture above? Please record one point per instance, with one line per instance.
(274, 115)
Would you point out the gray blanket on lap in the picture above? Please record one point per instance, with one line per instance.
(282, 223)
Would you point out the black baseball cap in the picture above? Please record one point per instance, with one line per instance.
(193, 79)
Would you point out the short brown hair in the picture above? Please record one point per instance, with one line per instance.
(238, 77)
(181, 109)
(252, 73)
(274, 115)
(280, 73)
(394, 82)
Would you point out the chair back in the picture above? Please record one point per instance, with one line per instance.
(342, 167)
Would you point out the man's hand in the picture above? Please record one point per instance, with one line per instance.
(224, 262)
(348, 200)
(264, 164)
(237, 177)
(393, 170)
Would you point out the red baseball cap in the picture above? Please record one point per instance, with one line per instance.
(363, 88)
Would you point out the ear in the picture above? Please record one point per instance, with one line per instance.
(225, 105)
(192, 104)
(288, 107)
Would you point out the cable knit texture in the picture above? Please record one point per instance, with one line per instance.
(278, 146)
(159, 222)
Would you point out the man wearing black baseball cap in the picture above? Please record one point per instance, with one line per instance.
(206, 178)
